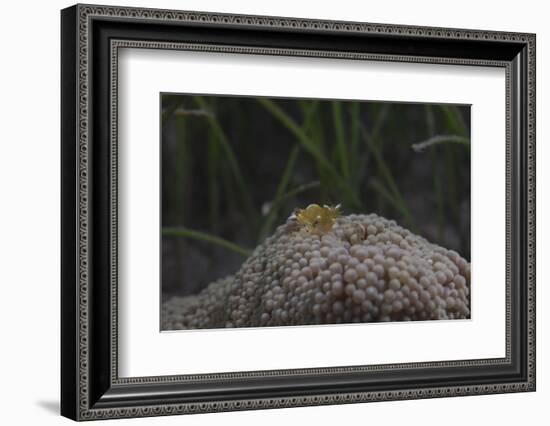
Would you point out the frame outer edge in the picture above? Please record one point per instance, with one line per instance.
(69, 220)
(84, 193)
(80, 207)
(531, 200)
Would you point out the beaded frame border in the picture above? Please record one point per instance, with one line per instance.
(87, 12)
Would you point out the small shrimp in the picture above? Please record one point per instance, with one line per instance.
(316, 219)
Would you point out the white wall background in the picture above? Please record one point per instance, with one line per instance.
(29, 211)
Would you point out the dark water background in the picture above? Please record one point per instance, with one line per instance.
(235, 167)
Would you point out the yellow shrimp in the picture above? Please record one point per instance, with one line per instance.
(316, 219)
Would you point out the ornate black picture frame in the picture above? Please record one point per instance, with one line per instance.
(91, 387)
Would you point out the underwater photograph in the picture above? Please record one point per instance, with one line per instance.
(293, 212)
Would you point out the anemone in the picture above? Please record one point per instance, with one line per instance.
(365, 268)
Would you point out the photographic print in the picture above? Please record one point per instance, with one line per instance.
(292, 212)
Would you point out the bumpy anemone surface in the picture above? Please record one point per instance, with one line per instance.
(366, 269)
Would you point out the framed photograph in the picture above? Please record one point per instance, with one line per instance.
(263, 212)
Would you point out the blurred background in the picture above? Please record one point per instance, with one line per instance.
(234, 168)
